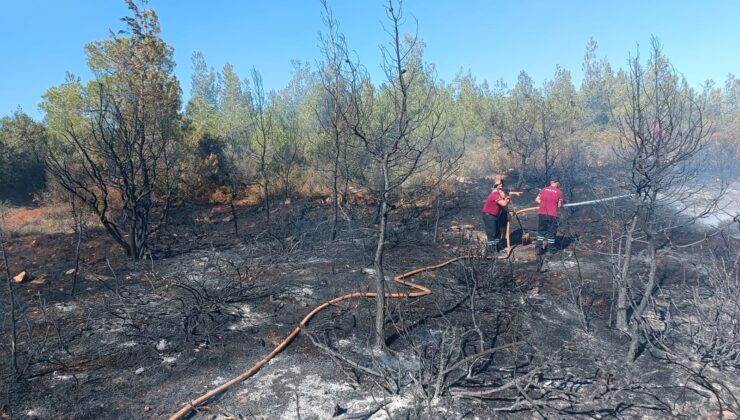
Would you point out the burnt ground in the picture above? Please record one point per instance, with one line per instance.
(139, 339)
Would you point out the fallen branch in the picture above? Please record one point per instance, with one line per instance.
(461, 392)
(338, 356)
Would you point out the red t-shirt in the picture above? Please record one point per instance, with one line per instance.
(491, 206)
(549, 198)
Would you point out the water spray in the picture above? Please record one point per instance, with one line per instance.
(602, 200)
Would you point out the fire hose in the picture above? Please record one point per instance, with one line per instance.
(419, 292)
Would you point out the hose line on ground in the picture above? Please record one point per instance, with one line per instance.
(419, 292)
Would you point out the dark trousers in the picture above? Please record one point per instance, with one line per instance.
(493, 232)
(546, 226)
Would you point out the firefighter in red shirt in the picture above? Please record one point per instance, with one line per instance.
(550, 200)
(493, 209)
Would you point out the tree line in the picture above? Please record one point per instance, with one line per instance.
(122, 142)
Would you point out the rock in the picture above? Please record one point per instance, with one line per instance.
(21, 277)
(39, 280)
(95, 277)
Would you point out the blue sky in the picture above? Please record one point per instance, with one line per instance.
(43, 39)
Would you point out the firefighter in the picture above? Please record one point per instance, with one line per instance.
(550, 199)
(493, 210)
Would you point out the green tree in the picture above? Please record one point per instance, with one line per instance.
(594, 92)
(232, 128)
(114, 144)
(516, 124)
(557, 120)
(601, 90)
(295, 120)
(467, 110)
(21, 146)
(723, 110)
(204, 155)
(204, 95)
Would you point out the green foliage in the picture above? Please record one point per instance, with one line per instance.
(232, 124)
(204, 97)
(723, 113)
(466, 107)
(235, 134)
(63, 107)
(594, 92)
(515, 124)
(21, 145)
(297, 126)
(114, 143)
(557, 126)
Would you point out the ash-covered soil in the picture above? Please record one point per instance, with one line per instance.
(496, 339)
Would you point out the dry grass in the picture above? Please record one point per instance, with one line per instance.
(49, 219)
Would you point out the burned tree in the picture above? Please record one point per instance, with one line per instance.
(397, 125)
(114, 138)
(662, 128)
(334, 102)
(263, 122)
